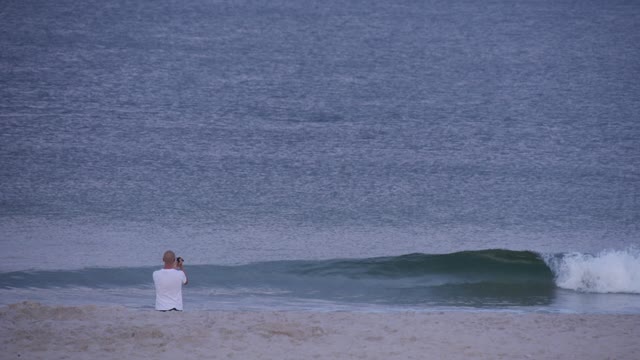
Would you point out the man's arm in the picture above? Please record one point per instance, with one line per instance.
(181, 268)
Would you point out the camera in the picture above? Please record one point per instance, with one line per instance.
(179, 260)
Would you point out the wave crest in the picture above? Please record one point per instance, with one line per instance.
(610, 271)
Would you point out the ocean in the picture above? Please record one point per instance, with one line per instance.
(337, 155)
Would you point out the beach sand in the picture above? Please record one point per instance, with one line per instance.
(34, 331)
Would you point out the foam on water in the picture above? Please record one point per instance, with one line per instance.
(610, 271)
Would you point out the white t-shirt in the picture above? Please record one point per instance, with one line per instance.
(168, 284)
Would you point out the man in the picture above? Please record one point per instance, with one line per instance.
(168, 282)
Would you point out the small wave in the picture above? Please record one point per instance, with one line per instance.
(610, 271)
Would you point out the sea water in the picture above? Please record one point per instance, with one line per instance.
(290, 150)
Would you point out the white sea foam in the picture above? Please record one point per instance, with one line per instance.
(610, 271)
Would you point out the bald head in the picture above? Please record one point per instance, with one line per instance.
(169, 257)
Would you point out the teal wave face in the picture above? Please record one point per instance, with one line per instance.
(487, 264)
(469, 278)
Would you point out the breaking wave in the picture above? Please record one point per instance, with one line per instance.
(480, 278)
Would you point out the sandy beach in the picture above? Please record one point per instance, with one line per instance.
(35, 331)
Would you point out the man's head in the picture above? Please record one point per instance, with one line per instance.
(169, 257)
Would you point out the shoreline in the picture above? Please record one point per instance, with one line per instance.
(36, 331)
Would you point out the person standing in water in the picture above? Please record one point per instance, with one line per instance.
(168, 282)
